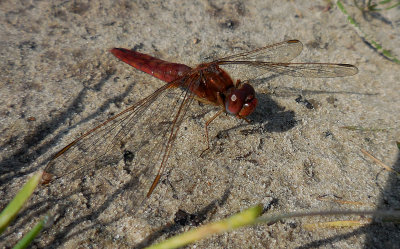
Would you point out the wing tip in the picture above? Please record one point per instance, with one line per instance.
(352, 69)
(293, 41)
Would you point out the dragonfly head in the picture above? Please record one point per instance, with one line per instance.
(241, 101)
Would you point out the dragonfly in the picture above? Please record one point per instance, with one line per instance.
(150, 127)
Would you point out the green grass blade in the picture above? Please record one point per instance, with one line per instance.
(245, 218)
(12, 209)
(27, 239)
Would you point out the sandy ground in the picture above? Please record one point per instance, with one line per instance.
(58, 79)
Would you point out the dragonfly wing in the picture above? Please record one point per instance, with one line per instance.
(279, 52)
(275, 58)
(307, 70)
(116, 162)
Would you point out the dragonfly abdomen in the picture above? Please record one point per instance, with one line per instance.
(160, 69)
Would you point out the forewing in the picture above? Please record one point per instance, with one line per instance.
(241, 66)
(279, 52)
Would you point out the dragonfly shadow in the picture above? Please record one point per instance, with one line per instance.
(271, 116)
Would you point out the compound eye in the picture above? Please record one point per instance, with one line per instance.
(248, 107)
(234, 104)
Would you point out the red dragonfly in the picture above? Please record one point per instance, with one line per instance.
(150, 127)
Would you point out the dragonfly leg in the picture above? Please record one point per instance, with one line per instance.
(206, 127)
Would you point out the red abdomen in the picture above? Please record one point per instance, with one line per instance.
(160, 69)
